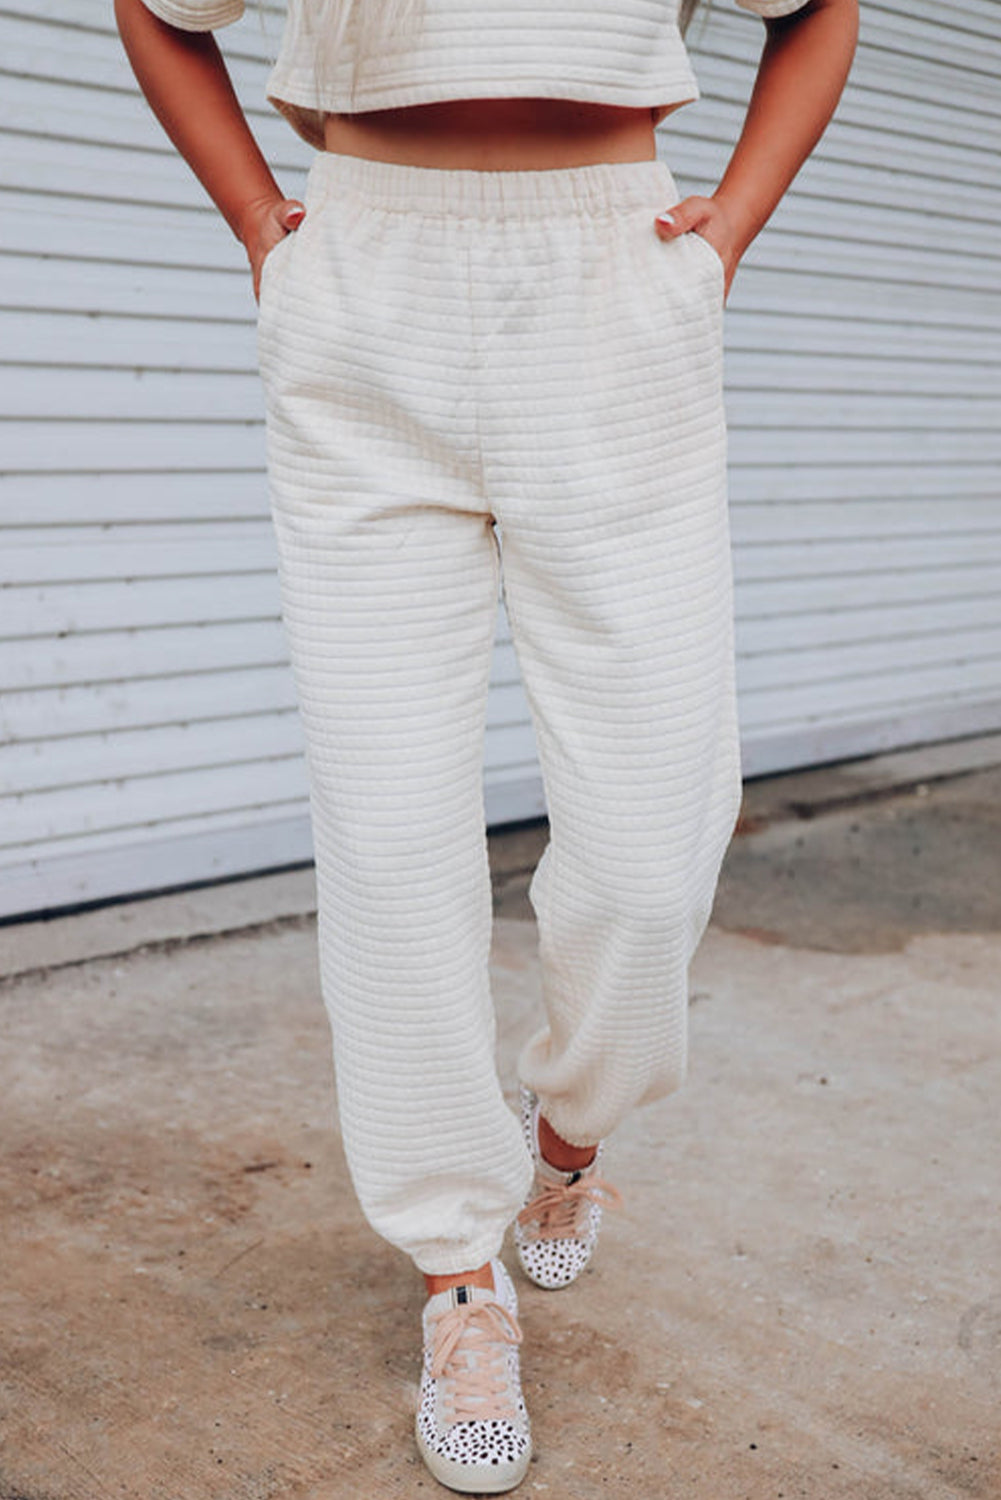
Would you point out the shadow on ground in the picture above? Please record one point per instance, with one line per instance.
(800, 1297)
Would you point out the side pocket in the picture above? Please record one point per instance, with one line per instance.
(714, 256)
(278, 250)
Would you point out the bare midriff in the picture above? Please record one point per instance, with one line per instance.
(495, 134)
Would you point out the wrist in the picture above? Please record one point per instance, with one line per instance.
(249, 215)
(744, 218)
(743, 213)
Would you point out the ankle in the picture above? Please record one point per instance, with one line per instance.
(559, 1153)
(483, 1276)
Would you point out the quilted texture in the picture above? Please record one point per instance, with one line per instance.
(474, 378)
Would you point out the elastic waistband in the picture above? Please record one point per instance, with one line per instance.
(470, 193)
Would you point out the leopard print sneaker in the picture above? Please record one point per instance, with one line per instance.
(472, 1426)
(556, 1231)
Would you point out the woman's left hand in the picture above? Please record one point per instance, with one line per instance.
(264, 223)
(707, 217)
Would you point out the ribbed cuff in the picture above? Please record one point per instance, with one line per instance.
(453, 1261)
(770, 9)
(196, 15)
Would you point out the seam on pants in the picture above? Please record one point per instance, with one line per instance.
(478, 374)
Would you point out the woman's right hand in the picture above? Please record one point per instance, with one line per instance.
(262, 225)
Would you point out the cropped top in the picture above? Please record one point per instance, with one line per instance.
(625, 52)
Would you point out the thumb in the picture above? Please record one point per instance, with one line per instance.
(291, 213)
(680, 218)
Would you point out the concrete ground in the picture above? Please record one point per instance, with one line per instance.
(801, 1296)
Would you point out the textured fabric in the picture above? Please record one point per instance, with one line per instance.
(447, 355)
(772, 9)
(197, 15)
(625, 52)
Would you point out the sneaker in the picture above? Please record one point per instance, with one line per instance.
(472, 1426)
(556, 1231)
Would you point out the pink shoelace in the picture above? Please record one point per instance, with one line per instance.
(557, 1209)
(469, 1355)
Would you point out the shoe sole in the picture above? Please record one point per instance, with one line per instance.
(550, 1286)
(471, 1479)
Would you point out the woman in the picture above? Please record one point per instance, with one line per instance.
(493, 309)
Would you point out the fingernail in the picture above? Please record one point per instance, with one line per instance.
(665, 218)
(295, 216)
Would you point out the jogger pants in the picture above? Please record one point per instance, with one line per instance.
(449, 355)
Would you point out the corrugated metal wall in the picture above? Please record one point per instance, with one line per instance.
(864, 393)
(147, 711)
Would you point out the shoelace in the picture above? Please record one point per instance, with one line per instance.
(557, 1208)
(475, 1373)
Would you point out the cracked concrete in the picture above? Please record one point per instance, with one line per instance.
(801, 1296)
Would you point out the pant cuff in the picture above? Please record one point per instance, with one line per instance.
(449, 1260)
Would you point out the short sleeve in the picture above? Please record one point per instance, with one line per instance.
(770, 10)
(196, 15)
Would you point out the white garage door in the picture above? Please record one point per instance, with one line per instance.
(864, 393)
(147, 713)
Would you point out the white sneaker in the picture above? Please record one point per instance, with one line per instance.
(556, 1231)
(472, 1426)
